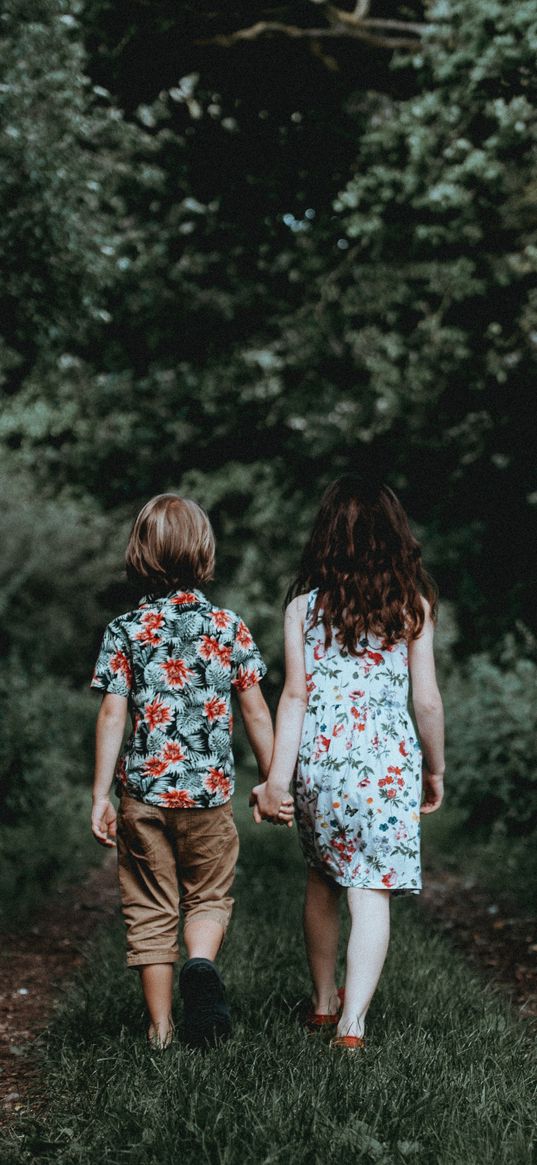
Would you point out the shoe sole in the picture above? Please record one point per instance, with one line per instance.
(203, 990)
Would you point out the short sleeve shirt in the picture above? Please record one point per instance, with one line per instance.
(177, 659)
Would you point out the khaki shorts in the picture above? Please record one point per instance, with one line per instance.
(171, 859)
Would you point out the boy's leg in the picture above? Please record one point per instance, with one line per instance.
(157, 986)
(203, 938)
(321, 934)
(366, 952)
(150, 905)
(207, 850)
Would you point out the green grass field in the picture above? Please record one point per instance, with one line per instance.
(449, 1077)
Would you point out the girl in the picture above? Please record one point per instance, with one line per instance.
(362, 618)
(173, 663)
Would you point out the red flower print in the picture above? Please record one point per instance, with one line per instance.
(177, 672)
(318, 651)
(388, 879)
(391, 793)
(121, 772)
(177, 799)
(403, 748)
(345, 849)
(173, 753)
(245, 678)
(322, 744)
(338, 729)
(394, 769)
(243, 637)
(152, 622)
(357, 695)
(120, 662)
(209, 647)
(215, 708)
(221, 619)
(154, 766)
(157, 713)
(375, 656)
(184, 597)
(217, 782)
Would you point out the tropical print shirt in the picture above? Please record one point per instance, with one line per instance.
(176, 660)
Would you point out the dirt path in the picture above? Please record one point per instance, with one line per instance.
(34, 966)
(496, 937)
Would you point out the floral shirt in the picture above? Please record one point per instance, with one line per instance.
(176, 660)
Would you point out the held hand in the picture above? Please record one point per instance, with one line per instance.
(433, 791)
(270, 804)
(103, 822)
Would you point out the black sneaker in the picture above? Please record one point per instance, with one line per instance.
(207, 1017)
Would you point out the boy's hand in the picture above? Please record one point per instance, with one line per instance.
(272, 804)
(433, 791)
(103, 822)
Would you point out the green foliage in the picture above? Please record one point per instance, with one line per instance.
(45, 761)
(491, 713)
(60, 557)
(242, 281)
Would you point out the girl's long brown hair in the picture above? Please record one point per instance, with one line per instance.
(366, 564)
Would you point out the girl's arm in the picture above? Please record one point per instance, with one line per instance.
(109, 738)
(429, 714)
(271, 799)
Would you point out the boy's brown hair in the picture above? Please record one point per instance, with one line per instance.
(171, 545)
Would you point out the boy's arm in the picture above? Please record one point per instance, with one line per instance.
(108, 740)
(258, 726)
(429, 713)
(270, 797)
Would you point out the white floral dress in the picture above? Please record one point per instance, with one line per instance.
(358, 778)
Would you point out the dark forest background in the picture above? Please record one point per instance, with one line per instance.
(245, 247)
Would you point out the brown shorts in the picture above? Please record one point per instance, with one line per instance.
(171, 859)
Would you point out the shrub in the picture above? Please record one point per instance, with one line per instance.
(45, 758)
(491, 711)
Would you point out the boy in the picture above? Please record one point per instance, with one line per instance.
(172, 663)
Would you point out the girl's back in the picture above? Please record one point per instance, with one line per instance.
(358, 776)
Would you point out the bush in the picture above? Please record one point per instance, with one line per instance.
(45, 759)
(491, 711)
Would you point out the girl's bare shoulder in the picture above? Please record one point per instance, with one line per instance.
(296, 610)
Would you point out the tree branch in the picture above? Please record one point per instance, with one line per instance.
(346, 28)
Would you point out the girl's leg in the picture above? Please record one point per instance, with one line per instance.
(157, 984)
(366, 952)
(321, 933)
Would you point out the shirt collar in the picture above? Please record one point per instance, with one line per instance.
(178, 598)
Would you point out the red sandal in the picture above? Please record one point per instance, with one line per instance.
(351, 1043)
(315, 1019)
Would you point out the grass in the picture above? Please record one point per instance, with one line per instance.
(449, 1077)
(506, 866)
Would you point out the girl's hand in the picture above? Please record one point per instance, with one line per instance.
(272, 804)
(433, 791)
(103, 821)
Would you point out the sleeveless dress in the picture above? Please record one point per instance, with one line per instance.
(357, 784)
